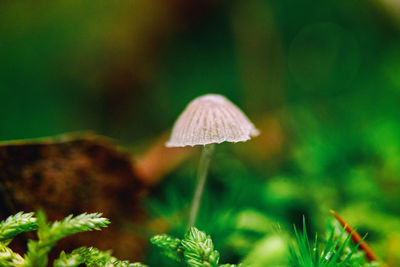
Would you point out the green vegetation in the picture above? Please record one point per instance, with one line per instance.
(91, 257)
(48, 234)
(336, 251)
(196, 249)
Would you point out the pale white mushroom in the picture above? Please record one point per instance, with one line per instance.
(208, 120)
(211, 119)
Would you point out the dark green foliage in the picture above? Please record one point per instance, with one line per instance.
(171, 247)
(199, 249)
(195, 250)
(91, 257)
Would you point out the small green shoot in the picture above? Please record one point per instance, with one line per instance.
(48, 235)
(15, 225)
(91, 257)
(195, 250)
(337, 251)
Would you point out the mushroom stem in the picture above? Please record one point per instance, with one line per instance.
(201, 181)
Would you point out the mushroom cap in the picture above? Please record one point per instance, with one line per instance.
(211, 119)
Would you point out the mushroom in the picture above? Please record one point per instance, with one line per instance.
(211, 119)
(207, 120)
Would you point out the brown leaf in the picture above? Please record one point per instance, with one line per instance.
(72, 175)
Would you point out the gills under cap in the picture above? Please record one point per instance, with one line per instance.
(211, 119)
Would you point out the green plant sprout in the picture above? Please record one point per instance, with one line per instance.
(15, 225)
(196, 249)
(91, 257)
(208, 120)
(48, 235)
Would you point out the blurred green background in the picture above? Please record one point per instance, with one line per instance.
(320, 79)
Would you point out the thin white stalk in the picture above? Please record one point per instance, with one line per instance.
(201, 181)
